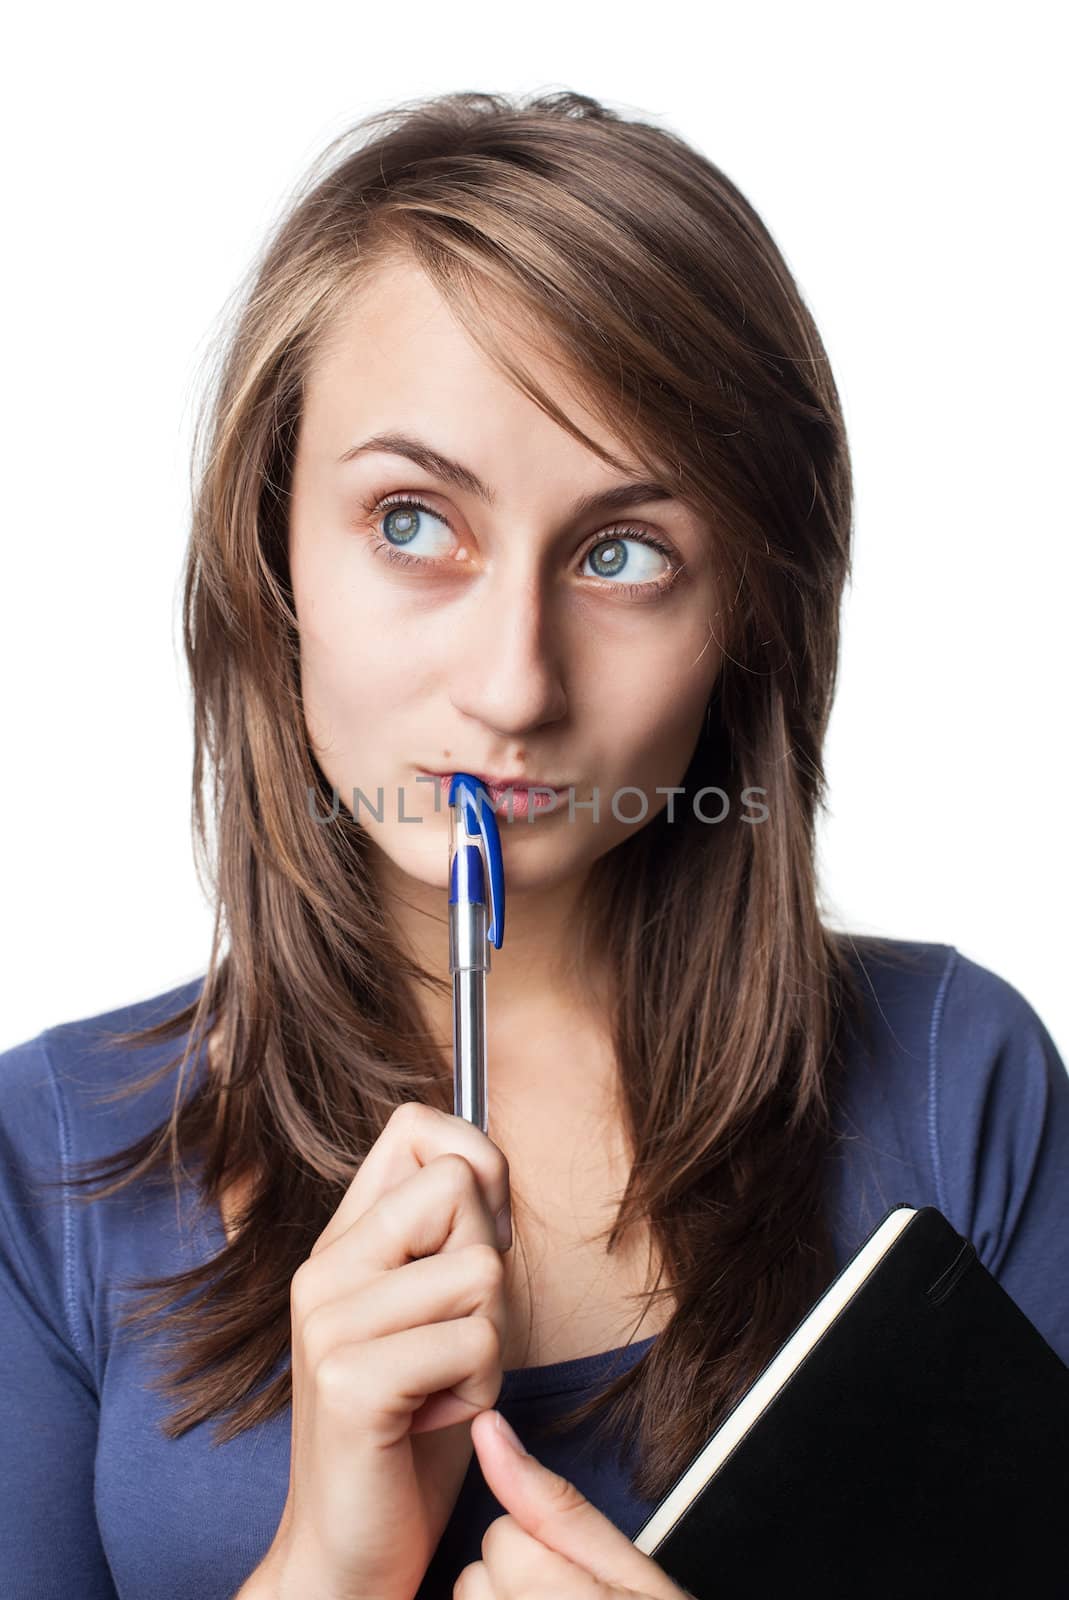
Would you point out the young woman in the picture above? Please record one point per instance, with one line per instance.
(524, 459)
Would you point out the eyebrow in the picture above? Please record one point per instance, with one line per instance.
(637, 491)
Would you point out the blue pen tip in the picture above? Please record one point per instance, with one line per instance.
(470, 795)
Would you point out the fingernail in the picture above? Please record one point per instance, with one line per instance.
(503, 1223)
(508, 1435)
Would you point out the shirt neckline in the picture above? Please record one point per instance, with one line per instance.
(582, 1372)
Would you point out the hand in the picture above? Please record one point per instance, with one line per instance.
(553, 1544)
(398, 1323)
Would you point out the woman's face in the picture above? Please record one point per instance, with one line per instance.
(508, 642)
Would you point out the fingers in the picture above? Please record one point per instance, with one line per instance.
(432, 1290)
(438, 1210)
(415, 1136)
(377, 1396)
(516, 1565)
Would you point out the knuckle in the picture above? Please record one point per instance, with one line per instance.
(409, 1116)
(335, 1383)
(457, 1169)
(564, 1498)
(467, 1582)
(314, 1340)
(498, 1534)
(302, 1298)
(394, 1220)
(489, 1266)
(485, 1336)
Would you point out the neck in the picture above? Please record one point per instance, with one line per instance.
(540, 971)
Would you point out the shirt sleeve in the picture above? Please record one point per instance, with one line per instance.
(999, 1110)
(50, 1546)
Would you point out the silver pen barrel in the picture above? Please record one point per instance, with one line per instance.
(469, 962)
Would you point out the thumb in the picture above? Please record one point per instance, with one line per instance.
(559, 1515)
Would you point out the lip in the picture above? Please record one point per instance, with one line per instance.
(519, 784)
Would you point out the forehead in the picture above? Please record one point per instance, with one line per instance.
(396, 356)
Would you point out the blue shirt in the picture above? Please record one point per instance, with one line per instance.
(963, 1105)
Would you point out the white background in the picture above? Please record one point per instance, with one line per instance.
(910, 164)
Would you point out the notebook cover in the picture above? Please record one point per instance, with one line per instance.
(921, 1447)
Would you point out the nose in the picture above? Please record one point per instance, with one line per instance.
(505, 670)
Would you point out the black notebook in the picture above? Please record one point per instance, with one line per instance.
(910, 1438)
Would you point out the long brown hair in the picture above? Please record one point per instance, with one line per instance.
(672, 307)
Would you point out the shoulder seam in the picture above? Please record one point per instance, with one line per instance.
(933, 1080)
(64, 1142)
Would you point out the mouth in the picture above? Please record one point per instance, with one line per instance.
(526, 793)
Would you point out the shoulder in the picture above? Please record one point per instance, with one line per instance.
(950, 1052)
(944, 1030)
(999, 1108)
(58, 1110)
(55, 1109)
(931, 1004)
(900, 982)
(960, 1100)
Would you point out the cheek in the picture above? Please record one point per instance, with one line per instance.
(360, 665)
(669, 742)
(327, 594)
(334, 602)
(342, 674)
(665, 701)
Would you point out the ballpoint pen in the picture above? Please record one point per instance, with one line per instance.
(476, 882)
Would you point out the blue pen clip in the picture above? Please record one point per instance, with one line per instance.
(468, 879)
